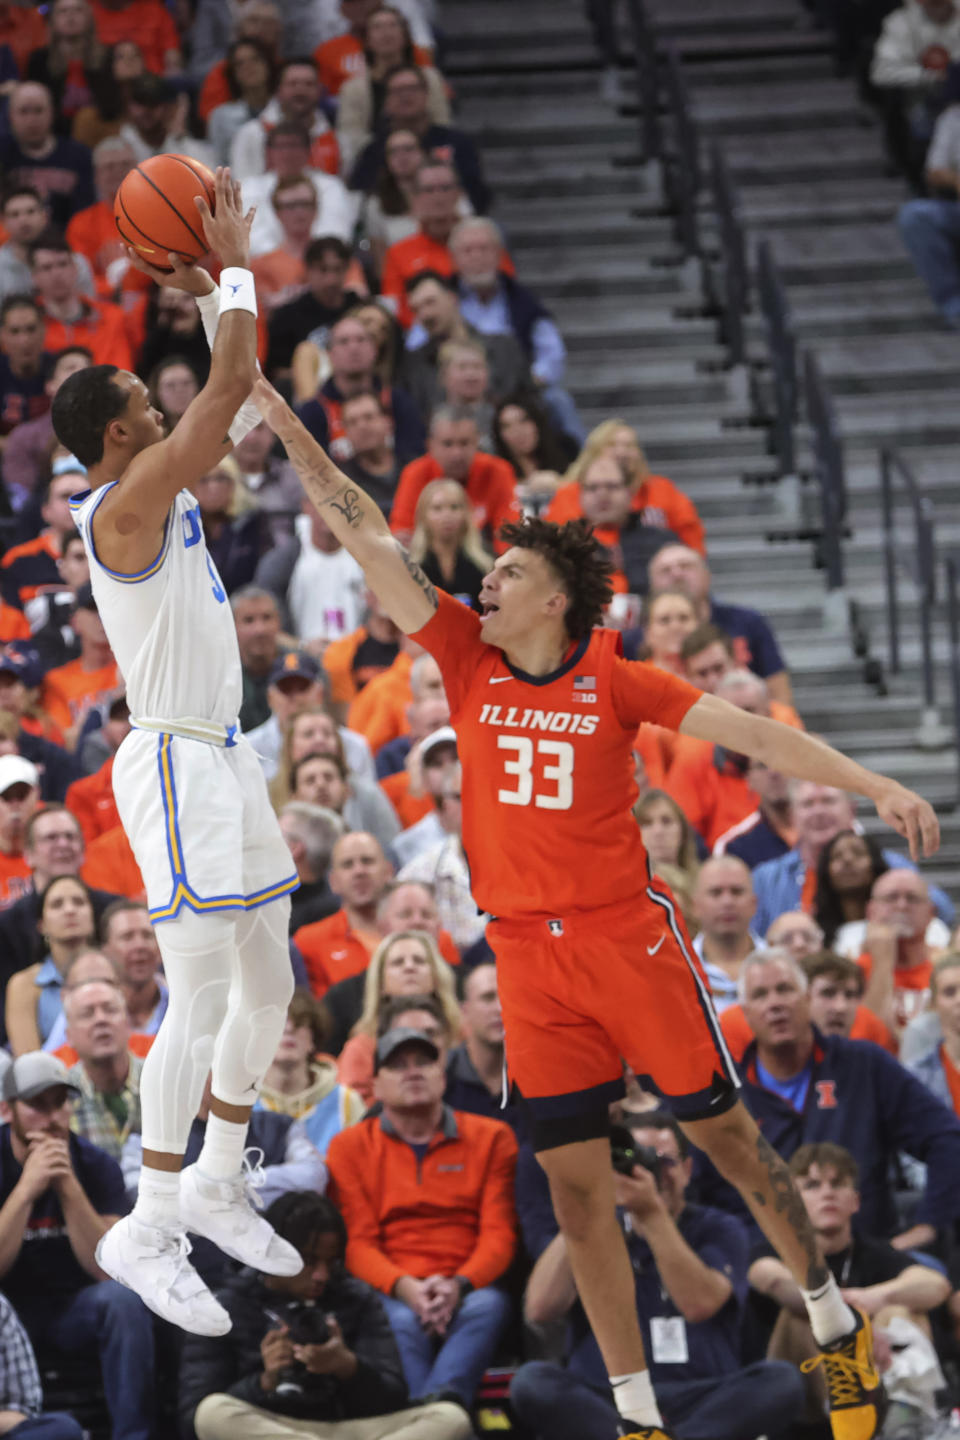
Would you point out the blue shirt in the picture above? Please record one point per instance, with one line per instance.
(49, 1009)
(778, 885)
(758, 648)
(492, 317)
(794, 1090)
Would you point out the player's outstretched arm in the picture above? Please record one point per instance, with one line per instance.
(795, 753)
(398, 582)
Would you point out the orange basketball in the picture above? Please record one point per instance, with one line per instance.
(154, 209)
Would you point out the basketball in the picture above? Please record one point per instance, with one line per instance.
(154, 209)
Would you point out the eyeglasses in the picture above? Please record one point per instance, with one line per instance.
(295, 204)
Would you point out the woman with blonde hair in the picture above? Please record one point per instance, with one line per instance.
(405, 963)
(446, 543)
(313, 731)
(667, 834)
(654, 496)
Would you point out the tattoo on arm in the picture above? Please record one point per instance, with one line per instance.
(416, 574)
(346, 501)
(783, 1194)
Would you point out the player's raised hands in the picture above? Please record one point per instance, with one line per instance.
(226, 229)
(191, 278)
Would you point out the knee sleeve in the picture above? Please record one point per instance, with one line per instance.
(257, 1010)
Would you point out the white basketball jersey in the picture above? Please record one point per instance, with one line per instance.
(170, 626)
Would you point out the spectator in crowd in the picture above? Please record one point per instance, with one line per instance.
(836, 994)
(21, 1394)
(51, 611)
(439, 1282)
(387, 45)
(217, 26)
(302, 1081)
(929, 227)
(427, 713)
(680, 567)
(630, 540)
(23, 364)
(536, 452)
(325, 301)
(453, 453)
(70, 691)
(418, 790)
(289, 154)
(389, 212)
(404, 906)
(297, 101)
(444, 866)
(314, 731)
(24, 216)
(849, 863)
(128, 939)
(437, 203)
(666, 832)
(19, 797)
(273, 1377)
(796, 932)
(235, 537)
(299, 724)
(92, 234)
(341, 55)
(406, 106)
(73, 64)
(353, 357)
(31, 569)
(417, 1012)
(250, 71)
(381, 710)
(493, 302)
(353, 661)
(709, 654)
(32, 154)
(146, 21)
(690, 1263)
(280, 274)
(668, 617)
(654, 498)
(156, 122)
(173, 327)
(311, 831)
(432, 298)
(446, 544)
(269, 480)
(26, 724)
(342, 944)
(917, 44)
(367, 424)
(316, 580)
(107, 1072)
(896, 959)
(874, 1275)
(110, 109)
(724, 904)
(171, 387)
(802, 1087)
(256, 617)
(938, 1064)
(70, 317)
(767, 832)
(59, 1194)
(323, 779)
(475, 1067)
(66, 927)
(789, 883)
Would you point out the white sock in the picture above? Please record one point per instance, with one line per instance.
(829, 1314)
(158, 1198)
(635, 1399)
(223, 1145)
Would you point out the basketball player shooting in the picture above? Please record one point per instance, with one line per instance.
(189, 788)
(593, 960)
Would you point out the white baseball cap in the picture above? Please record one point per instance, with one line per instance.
(15, 770)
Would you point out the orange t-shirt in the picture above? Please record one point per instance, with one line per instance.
(953, 1078)
(14, 625)
(381, 706)
(93, 233)
(110, 865)
(103, 330)
(69, 691)
(355, 1066)
(137, 1045)
(333, 952)
(346, 682)
(866, 1026)
(546, 762)
(24, 29)
(911, 986)
(148, 22)
(711, 799)
(15, 879)
(91, 801)
(408, 257)
(45, 543)
(491, 489)
(278, 277)
(409, 808)
(657, 499)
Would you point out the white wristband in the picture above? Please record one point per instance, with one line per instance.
(237, 290)
(209, 307)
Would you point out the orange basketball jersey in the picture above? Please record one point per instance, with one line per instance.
(547, 771)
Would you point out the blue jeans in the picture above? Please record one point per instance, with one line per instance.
(106, 1319)
(930, 230)
(758, 1400)
(465, 1351)
(562, 409)
(55, 1425)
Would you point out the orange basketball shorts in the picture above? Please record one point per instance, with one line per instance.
(582, 993)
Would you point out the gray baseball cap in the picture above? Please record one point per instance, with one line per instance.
(397, 1039)
(29, 1075)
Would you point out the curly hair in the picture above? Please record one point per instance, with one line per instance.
(579, 561)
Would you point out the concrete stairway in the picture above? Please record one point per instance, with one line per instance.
(587, 227)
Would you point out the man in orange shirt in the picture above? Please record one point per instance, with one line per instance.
(427, 1194)
(339, 59)
(341, 946)
(620, 525)
(452, 452)
(709, 782)
(708, 654)
(70, 691)
(32, 569)
(654, 498)
(148, 23)
(897, 962)
(415, 789)
(72, 318)
(19, 797)
(92, 232)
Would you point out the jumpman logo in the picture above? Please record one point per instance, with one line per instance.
(234, 288)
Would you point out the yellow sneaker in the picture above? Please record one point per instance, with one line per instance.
(647, 1432)
(855, 1395)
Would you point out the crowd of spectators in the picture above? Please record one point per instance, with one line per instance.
(393, 315)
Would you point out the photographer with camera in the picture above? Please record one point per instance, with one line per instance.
(690, 1270)
(310, 1355)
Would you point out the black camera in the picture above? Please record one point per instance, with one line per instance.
(626, 1153)
(307, 1325)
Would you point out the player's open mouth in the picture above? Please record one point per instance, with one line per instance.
(487, 609)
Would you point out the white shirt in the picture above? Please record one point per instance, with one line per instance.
(172, 145)
(849, 940)
(325, 596)
(248, 152)
(723, 990)
(906, 34)
(336, 210)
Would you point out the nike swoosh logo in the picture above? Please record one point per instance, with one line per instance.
(500, 679)
(652, 949)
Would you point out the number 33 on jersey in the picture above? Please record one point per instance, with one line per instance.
(547, 767)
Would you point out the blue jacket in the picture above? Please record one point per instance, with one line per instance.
(779, 885)
(862, 1098)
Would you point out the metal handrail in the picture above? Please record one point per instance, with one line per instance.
(830, 471)
(682, 175)
(952, 568)
(645, 60)
(736, 280)
(782, 344)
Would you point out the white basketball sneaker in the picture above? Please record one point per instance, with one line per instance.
(223, 1211)
(155, 1264)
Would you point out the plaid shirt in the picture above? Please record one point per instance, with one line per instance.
(19, 1376)
(92, 1117)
